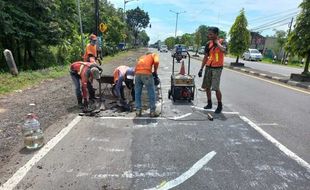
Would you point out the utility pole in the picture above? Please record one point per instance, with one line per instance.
(289, 31)
(96, 16)
(81, 26)
(176, 22)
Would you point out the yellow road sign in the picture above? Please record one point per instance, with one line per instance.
(103, 27)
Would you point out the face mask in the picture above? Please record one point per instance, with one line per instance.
(93, 42)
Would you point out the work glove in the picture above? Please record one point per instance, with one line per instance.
(200, 73)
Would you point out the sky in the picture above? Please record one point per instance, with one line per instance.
(263, 16)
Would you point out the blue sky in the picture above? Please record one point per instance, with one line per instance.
(221, 13)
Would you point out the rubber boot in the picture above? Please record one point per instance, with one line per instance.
(219, 108)
(209, 105)
(80, 103)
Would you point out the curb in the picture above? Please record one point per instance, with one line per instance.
(275, 78)
(263, 75)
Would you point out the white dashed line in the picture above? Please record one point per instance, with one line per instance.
(188, 174)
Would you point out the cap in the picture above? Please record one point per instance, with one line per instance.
(93, 37)
(130, 73)
(95, 72)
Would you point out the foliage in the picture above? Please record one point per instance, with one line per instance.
(170, 42)
(136, 20)
(239, 36)
(143, 38)
(187, 39)
(299, 39)
(280, 36)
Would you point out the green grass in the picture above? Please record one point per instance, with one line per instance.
(290, 64)
(27, 79)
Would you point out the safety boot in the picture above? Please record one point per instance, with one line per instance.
(209, 105)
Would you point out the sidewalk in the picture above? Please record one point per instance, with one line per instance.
(265, 74)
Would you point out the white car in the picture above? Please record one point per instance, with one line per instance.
(163, 48)
(252, 55)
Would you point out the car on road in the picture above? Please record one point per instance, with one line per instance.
(182, 48)
(201, 50)
(163, 48)
(252, 55)
(190, 48)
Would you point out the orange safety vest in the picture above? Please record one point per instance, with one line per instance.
(145, 63)
(216, 56)
(90, 49)
(119, 70)
(81, 68)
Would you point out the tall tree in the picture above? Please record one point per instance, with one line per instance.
(197, 40)
(281, 39)
(170, 42)
(143, 38)
(137, 19)
(239, 36)
(187, 39)
(299, 39)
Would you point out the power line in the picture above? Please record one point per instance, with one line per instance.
(274, 14)
(271, 27)
(272, 22)
(268, 19)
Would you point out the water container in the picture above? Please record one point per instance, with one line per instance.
(32, 132)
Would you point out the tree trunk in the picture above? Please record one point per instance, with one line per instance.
(306, 69)
(237, 60)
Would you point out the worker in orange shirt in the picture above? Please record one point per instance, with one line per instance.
(144, 76)
(91, 48)
(84, 73)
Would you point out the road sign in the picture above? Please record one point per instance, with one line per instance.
(103, 27)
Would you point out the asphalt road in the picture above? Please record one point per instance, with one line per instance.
(182, 149)
(278, 69)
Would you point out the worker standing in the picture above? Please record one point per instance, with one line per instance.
(91, 49)
(144, 76)
(214, 62)
(123, 74)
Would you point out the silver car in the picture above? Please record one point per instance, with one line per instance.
(252, 55)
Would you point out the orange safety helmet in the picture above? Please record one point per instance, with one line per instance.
(93, 37)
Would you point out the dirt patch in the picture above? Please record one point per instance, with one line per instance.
(53, 101)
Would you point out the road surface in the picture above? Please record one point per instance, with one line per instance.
(182, 149)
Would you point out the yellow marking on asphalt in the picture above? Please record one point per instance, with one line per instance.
(272, 82)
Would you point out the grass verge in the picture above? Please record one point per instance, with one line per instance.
(27, 79)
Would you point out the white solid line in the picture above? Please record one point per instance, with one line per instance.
(224, 112)
(267, 124)
(188, 174)
(180, 117)
(288, 152)
(21, 173)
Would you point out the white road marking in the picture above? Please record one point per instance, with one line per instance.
(188, 174)
(286, 151)
(269, 81)
(21, 173)
(267, 124)
(111, 149)
(224, 112)
(180, 117)
(135, 174)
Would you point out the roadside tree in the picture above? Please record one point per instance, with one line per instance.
(239, 36)
(299, 39)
